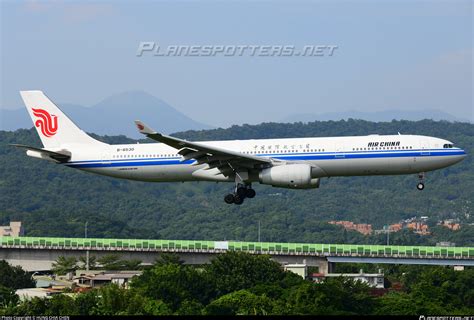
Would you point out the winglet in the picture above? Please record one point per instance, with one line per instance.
(143, 128)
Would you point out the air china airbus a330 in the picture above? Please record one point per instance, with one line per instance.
(297, 163)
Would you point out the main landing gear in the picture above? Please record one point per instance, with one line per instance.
(421, 177)
(241, 192)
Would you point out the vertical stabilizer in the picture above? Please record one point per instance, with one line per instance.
(53, 126)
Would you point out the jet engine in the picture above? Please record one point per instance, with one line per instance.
(294, 176)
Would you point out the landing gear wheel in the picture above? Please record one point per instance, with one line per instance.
(420, 186)
(229, 199)
(241, 192)
(250, 193)
(238, 200)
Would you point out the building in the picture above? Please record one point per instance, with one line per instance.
(419, 228)
(299, 269)
(15, 229)
(445, 244)
(395, 227)
(450, 224)
(29, 293)
(374, 280)
(363, 228)
(96, 279)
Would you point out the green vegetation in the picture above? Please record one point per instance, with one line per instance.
(12, 278)
(63, 265)
(242, 284)
(52, 200)
(112, 261)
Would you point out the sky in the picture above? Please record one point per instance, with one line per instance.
(407, 55)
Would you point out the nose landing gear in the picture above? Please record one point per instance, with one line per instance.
(421, 176)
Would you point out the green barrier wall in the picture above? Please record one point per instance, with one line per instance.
(329, 249)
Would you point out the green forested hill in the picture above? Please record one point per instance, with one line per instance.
(53, 200)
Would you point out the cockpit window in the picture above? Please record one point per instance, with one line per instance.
(447, 146)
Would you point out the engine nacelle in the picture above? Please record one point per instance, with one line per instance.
(295, 176)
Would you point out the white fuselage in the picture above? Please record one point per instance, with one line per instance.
(334, 156)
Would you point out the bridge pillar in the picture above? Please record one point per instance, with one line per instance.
(324, 267)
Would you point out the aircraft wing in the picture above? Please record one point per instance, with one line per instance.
(226, 161)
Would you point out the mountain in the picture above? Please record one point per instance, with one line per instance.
(114, 116)
(386, 115)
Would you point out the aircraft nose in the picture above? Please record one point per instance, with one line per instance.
(462, 154)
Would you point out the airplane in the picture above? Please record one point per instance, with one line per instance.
(295, 163)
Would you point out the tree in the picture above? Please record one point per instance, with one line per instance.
(92, 262)
(190, 308)
(397, 303)
(132, 264)
(113, 300)
(60, 305)
(332, 296)
(168, 258)
(36, 305)
(444, 290)
(118, 301)
(174, 284)
(241, 302)
(63, 265)
(110, 261)
(156, 307)
(114, 262)
(86, 302)
(7, 296)
(14, 277)
(233, 271)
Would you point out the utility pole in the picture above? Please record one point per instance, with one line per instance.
(258, 230)
(387, 231)
(87, 251)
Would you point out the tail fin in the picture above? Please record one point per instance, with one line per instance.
(53, 126)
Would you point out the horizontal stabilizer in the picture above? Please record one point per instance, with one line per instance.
(61, 156)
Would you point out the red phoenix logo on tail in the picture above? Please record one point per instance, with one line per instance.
(46, 122)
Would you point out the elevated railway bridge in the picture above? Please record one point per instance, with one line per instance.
(39, 253)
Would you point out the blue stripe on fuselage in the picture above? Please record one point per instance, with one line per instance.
(291, 156)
